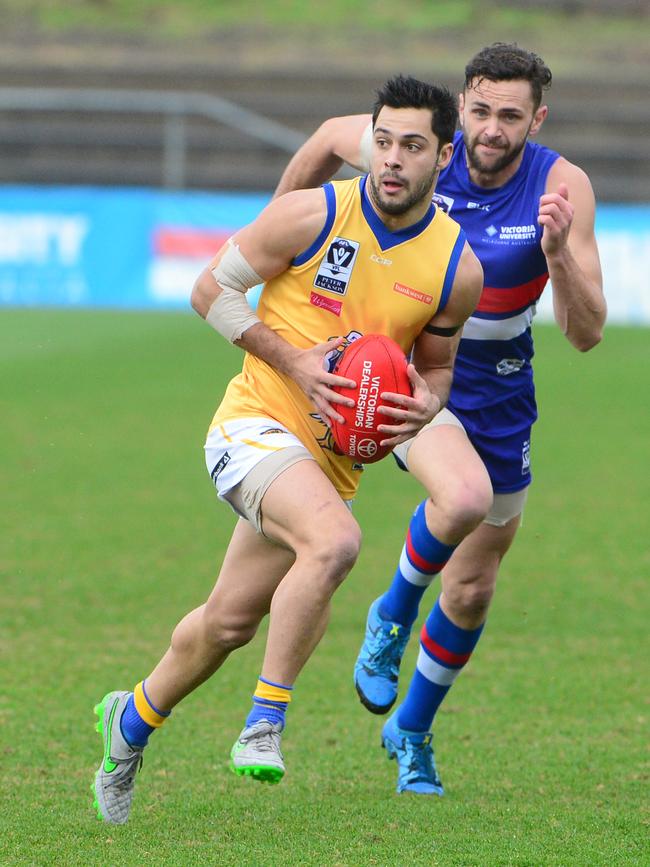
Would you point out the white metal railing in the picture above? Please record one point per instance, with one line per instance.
(174, 106)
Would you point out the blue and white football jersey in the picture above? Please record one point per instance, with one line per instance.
(493, 365)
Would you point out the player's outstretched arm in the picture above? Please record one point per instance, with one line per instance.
(338, 140)
(434, 354)
(567, 212)
(258, 252)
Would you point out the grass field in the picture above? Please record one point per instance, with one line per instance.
(111, 531)
(575, 38)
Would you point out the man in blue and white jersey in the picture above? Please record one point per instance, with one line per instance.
(528, 214)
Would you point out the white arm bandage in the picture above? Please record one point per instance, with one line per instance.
(230, 314)
(365, 148)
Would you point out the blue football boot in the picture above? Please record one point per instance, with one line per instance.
(415, 761)
(377, 666)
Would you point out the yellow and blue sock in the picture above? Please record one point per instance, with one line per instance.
(444, 649)
(422, 558)
(270, 702)
(141, 717)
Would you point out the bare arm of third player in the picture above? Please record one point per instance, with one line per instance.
(567, 212)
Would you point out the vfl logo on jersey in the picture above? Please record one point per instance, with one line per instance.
(336, 266)
(510, 365)
(525, 458)
(477, 206)
(443, 202)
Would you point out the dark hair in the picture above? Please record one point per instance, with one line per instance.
(406, 92)
(505, 61)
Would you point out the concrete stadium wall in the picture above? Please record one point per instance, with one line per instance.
(603, 125)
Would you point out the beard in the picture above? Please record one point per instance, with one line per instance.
(414, 196)
(508, 156)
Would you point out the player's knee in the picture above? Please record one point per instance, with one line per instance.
(335, 551)
(465, 506)
(341, 553)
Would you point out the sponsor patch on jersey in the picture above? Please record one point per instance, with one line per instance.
(509, 365)
(336, 266)
(477, 206)
(515, 235)
(445, 203)
(324, 303)
(223, 462)
(412, 293)
(518, 233)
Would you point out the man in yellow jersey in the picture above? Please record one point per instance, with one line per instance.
(372, 255)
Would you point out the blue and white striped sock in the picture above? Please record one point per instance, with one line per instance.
(422, 558)
(444, 649)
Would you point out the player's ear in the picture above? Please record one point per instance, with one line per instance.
(444, 155)
(538, 119)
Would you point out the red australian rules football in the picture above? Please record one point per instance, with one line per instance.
(377, 364)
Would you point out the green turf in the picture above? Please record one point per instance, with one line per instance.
(170, 18)
(110, 532)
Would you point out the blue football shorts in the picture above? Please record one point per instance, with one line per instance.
(501, 434)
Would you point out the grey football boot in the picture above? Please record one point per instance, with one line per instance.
(115, 777)
(257, 753)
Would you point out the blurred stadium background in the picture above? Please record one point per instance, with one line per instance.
(135, 135)
(135, 105)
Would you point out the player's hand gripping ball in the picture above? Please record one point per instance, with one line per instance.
(377, 364)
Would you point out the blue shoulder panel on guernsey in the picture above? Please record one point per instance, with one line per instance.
(330, 198)
(452, 267)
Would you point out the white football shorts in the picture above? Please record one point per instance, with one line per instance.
(244, 456)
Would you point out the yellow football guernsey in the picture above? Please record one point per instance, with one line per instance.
(356, 278)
